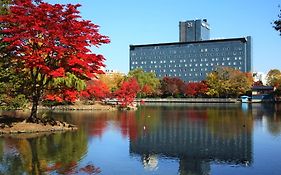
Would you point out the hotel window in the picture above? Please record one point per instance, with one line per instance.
(212, 64)
(229, 63)
(222, 64)
(208, 64)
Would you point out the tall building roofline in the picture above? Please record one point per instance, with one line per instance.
(242, 39)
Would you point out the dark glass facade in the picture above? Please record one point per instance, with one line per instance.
(192, 61)
(194, 30)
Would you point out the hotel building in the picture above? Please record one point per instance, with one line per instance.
(194, 56)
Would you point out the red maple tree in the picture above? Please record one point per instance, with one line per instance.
(194, 89)
(47, 41)
(95, 89)
(127, 93)
(172, 86)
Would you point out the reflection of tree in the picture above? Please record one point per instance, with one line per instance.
(222, 122)
(58, 152)
(272, 114)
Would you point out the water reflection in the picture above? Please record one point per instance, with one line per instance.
(58, 153)
(195, 136)
(269, 114)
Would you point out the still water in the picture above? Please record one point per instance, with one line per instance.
(185, 139)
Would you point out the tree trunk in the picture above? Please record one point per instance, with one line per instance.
(36, 166)
(33, 116)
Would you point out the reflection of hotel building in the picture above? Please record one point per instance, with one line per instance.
(194, 56)
(194, 144)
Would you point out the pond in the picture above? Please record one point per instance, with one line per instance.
(197, 139)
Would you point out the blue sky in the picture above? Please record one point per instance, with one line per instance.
(156, 21)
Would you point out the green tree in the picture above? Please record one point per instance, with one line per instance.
(228, 82)
(113, 80)
(147, 81)
(273, 77)
(11, 96)
(4, 6)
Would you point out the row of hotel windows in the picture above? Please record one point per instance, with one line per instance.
(188, 65)
(175, 50)
(156, 55)
(186, 70)
(185, 75)
(186, 60)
